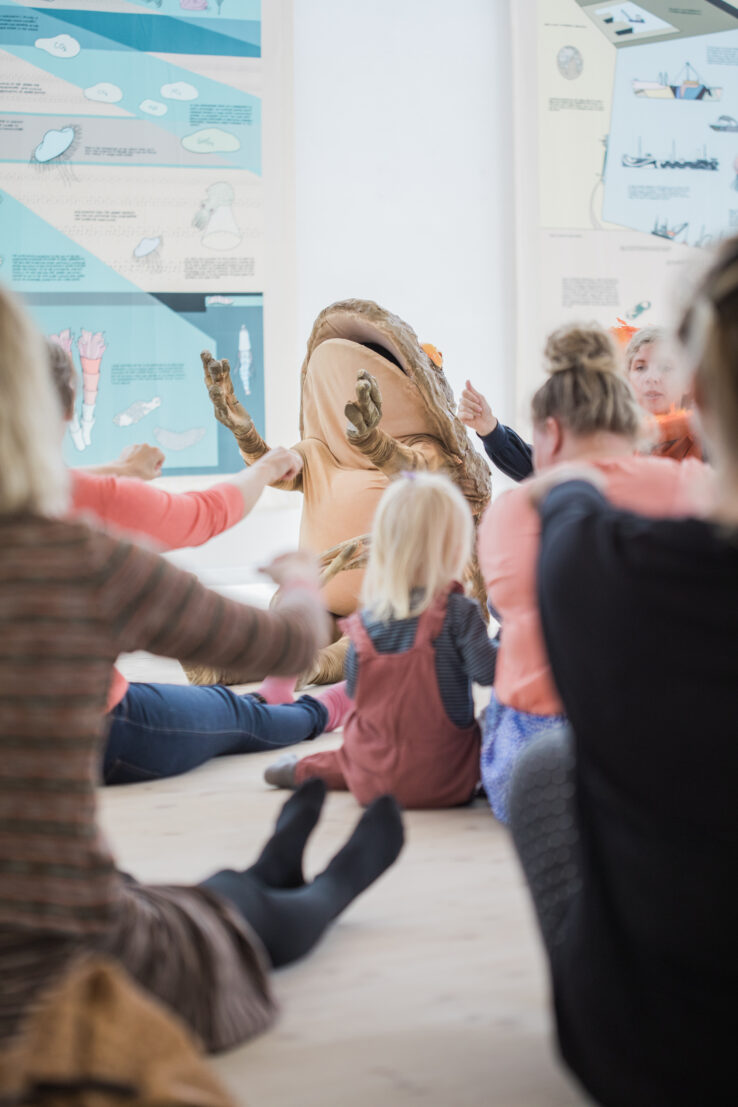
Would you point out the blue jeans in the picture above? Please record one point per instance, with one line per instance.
(160, 730)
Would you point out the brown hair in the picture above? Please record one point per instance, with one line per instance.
(646, 336)
(585, 390)
(62, 372)
(709, 333)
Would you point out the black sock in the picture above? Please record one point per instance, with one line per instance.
(374, 845)
(280, 862)
(291, 919)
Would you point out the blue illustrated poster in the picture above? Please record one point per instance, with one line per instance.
(131, 211)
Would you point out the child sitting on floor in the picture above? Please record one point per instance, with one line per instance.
(416, 647)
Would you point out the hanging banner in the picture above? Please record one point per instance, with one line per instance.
(629, 132)
(131, 210)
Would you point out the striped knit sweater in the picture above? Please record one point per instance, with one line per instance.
(71, 600)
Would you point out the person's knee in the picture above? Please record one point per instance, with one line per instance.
(541, 770)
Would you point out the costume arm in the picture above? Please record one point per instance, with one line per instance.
(364, 415)
(229, 411)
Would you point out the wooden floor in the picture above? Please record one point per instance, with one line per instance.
(430, 989)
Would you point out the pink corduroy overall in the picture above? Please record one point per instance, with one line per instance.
(399, 738)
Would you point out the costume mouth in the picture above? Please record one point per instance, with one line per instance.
(384, 352)
(365, 332)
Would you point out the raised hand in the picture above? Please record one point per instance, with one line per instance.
(228, 409)
(365, 413)
(475, 412)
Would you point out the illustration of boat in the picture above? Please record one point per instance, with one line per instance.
(689, 87)
(642, 161)
(639, 160)
(725, 123)
(663, 230)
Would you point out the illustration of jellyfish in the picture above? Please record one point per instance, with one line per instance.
(91, 348)
(193, 5)
(55, 150)
(147, 253)
(245, 359)
(178, 440)
(64, 339)
(216, 220)
(137, 411)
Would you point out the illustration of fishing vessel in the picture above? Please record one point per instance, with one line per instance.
(642, 161)
(725, 123)
(663, 230)
(687, 87)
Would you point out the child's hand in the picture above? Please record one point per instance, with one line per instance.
(538, 487)
(298, 567)
(475, 412)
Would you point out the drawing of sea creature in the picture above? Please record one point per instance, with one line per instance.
(138, 410)
(178, 440)
(638, 310)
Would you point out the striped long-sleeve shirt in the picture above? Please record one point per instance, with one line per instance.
(71, 600)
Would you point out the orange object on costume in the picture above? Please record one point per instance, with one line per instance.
(434, 354)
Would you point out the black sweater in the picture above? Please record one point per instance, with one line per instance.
(508, 452)
(640, 619)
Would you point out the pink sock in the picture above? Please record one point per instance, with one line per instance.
(338, 704)
(276, 689)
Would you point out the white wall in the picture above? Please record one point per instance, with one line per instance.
(403, 160)
(393, 182)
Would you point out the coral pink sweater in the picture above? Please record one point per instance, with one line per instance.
(509, 537)
(138, 510)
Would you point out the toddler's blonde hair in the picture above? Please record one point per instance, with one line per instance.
(33, 477)
(422, 539)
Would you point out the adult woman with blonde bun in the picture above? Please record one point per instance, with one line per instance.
(659, 389)
(72, 599)
(584, 411)
(627, 826)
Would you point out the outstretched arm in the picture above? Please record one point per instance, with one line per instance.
(364, 415)
(232, 414)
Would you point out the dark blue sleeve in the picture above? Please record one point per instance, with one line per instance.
(469, 631)
(508, 452)
(351, 671)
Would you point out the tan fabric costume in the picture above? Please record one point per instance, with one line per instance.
(372, 404)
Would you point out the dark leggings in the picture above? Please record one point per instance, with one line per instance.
(544, 827)
(289, 915)
(288, 921)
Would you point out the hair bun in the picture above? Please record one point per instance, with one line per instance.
(577, 347)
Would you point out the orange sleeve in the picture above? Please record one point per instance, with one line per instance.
(138, 509)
